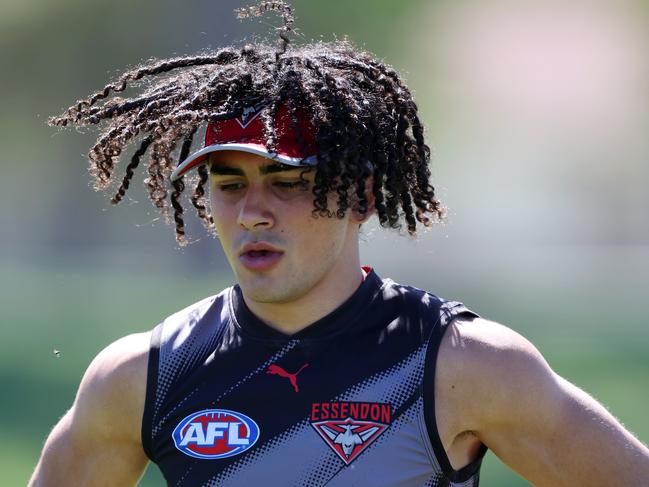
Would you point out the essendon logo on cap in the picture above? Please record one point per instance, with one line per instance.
(294, 145)
(250, 113)
(350, 427)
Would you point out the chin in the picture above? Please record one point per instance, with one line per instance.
(267, 294)
(264, 289)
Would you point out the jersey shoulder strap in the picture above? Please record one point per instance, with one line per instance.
(448, 312)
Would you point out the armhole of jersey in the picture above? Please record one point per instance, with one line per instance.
(151, 387)
(430, 367)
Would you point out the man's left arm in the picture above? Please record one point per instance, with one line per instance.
(538, 423)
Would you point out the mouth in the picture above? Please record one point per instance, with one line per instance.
(260, 257)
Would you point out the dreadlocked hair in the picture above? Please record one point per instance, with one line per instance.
(365, 120)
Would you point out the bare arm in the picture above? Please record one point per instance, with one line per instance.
(539, 424)
(97, 442)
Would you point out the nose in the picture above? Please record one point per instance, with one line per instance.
(255, 213)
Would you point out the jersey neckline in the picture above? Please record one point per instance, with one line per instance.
(336, 321)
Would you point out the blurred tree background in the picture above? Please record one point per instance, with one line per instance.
(537, 113)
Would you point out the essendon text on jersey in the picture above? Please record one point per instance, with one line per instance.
(349, 428)
(341, 410)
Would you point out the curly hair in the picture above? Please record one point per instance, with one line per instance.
(365, 120)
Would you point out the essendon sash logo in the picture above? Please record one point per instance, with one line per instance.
(349, 427)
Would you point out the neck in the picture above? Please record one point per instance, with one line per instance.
(340, 282)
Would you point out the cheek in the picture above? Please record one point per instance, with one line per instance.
(324, 236)
(214, 210)
(223, 217)
(214, 202)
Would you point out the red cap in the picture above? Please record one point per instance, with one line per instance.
(246, 133)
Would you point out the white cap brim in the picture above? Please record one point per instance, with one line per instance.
(200, 157)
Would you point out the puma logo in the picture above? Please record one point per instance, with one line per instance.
(277, 370)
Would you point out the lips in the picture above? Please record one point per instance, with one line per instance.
(259, 256)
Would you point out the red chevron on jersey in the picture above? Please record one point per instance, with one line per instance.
(348, 437)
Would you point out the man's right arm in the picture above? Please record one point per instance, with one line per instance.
(98, 442)
(499, 388)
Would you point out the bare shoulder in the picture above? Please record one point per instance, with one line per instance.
(481, 338)
(99, 437)
(494, 383)
(115, 383)
(483, 364)
(478, 347)
(122, 362)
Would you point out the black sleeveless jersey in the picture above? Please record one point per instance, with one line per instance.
(346, 401)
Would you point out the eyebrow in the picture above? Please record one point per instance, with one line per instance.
(263, 170)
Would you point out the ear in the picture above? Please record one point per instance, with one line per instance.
(358, 216)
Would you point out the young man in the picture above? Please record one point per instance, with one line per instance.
(312, 370)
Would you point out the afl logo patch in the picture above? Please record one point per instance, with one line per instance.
(215, 433)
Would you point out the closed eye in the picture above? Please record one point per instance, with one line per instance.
(290, 184)
(230, 186)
